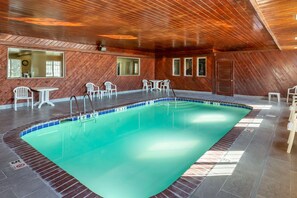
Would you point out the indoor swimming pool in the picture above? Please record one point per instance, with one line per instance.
(137, 152)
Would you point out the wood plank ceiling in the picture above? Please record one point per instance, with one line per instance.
(217, 25)
(281, 18)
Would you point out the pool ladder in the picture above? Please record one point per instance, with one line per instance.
(91, 103)
(172, 91)
(77, 106)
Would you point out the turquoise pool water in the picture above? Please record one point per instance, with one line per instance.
(139, 152)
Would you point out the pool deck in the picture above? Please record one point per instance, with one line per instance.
(255, 165)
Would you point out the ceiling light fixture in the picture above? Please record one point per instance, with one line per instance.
(119, 36)
(44, 21)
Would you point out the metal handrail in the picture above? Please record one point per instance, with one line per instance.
(172, 91)
(86, 94)
(70, 103)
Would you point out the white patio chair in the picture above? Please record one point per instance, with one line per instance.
(292, 127)
(23, 93)
(93, 89)
(146, 85)
(291, 92)
(165, 85)
(293, 108)
(109, 88)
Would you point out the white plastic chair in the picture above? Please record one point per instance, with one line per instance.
(23, 93)
(146, 85)
(293, 108)
(93, 89)
(291, 92)
(109, 88)
(292, 127)
(165, 85)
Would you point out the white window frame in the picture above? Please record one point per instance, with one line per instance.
(173, 66)
(198, 58)
(53, 69)
(185, 68)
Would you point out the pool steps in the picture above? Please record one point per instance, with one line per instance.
(87, 116)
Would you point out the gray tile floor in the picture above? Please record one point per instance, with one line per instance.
(261, 167)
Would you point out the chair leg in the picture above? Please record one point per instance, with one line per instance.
(287, 98)
(32, 103)
(291, 141)
(290, 136)
(290, 116)
(15, 105)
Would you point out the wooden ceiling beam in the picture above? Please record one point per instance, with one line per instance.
(264, 22)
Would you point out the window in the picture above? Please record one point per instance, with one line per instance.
(128, 66)
(53, 68)
(188, 67)
(14, 68)
(176, 67)
(201, 66)
(31, 63)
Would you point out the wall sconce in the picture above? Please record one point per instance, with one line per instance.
(102, 48)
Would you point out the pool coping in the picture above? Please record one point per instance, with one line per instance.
(67, 186)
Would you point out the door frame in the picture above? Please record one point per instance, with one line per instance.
(216, 75)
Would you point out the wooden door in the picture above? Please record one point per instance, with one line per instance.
(224, 77)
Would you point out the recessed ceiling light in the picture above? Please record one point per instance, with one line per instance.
(296, 38)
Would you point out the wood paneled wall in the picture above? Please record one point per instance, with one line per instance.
(259, 72)
(255, 72)
(163, 70)
(81, 67)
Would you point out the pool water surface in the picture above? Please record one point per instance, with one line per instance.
(139, 152)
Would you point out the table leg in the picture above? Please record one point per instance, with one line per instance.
(155, 86)
(46, 98)
(41, 99)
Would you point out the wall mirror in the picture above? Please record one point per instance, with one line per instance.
(31, 63)
(128, 66)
